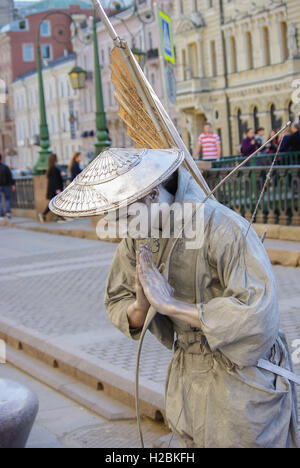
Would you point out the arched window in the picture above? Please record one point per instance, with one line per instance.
(291, 113)
(233, 53)
(240, 124)
(266, 46)
(249, 50)
(255, 118)
(273, 116)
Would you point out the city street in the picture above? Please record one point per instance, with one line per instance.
(54, 286)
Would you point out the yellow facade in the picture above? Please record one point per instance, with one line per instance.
(237, 63)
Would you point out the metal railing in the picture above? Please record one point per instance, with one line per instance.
(23, 197)
(283, 159)
(280, 203)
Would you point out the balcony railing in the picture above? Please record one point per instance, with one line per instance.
(280, 203)
(193, 85)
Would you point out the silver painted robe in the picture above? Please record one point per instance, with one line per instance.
(215, 394)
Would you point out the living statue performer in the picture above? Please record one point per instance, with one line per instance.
(230, 381)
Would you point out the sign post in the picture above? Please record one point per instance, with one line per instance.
(166, 49)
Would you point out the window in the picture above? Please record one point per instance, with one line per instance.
(284, 41)
(273, 117)
(150, 41)
(184, 65)
(210, 3)
(181, 7)
(255, 118)
(28, 53)
(213, 55)
(240, 125)
(23, 25)
(249, 50)
(233, 54)
(266, 46)
(192, 50)
(47, 51)
(45, 29)
(291, 113)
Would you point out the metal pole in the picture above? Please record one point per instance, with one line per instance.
(101, 125)
(104, 18)
(42, 163)
(161, 59)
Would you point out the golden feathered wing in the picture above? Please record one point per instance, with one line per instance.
(146, 120)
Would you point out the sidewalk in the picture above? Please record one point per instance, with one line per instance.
(62, 423)
(51, 307)
(281, 252)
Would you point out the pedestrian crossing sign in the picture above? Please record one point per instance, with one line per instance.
(166, 34)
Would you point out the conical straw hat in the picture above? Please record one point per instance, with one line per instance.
(115, 178)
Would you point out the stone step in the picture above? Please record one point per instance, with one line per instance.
(94, 400)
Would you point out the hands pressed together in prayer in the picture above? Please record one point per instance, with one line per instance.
(154, 285)
(152, 289)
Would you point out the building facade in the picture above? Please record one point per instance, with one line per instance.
(6, 12)
(138, 35)
(18, 63)
(62, 113)
(238, 63)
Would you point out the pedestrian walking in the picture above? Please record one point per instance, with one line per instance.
(54, 187)
(74, 167)
(292, 143)
(248, 143)
(209, 143)
(260, 139)
(273, 146)
(7, 185)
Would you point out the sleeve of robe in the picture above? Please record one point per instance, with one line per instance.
(120, 294)
(244, 323)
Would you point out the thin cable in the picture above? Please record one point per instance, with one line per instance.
(268, 178)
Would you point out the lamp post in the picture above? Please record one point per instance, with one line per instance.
(103, 140)
(77, 79)
(44, 153)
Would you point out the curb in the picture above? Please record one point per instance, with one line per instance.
(77, 233)
(95, 374)
(287, 258)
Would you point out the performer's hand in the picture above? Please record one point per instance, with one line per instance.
(156, 288)
(137, 312)
(142, 302)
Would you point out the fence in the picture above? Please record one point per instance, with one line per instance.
(23, 197)
(283, 159)
(280, 203)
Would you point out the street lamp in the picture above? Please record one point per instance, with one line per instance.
(77, 77)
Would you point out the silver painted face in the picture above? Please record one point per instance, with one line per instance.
(116, 178)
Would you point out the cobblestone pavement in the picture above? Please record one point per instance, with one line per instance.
(55, 285)
(61, 423)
